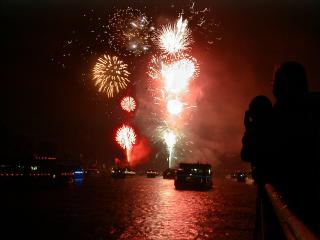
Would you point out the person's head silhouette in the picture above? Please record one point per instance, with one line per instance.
(259, 111)
(290, 82)
(260, 105)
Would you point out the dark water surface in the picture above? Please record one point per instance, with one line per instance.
(132, 208)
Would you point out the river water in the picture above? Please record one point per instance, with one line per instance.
(133, 208)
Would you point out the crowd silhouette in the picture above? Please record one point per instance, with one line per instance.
(282, 143)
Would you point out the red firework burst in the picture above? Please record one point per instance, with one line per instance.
(128, 104)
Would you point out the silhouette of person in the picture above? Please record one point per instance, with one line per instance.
(257, 136)
(284, 149)
(295, 159)
(256, 150)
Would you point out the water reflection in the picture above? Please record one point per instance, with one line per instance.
(133, 208)
(164, 213)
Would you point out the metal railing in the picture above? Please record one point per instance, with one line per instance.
(293, 228)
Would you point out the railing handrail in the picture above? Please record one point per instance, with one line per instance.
(292, 226)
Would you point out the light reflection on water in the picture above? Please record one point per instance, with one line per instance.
(167, 213)
(139, 208)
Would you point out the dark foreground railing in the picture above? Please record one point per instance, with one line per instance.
(293, 228)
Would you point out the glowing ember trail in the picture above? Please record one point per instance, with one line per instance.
(175, 38)
(126, 138)
(128, 104)
(110, 75)
(170, 140)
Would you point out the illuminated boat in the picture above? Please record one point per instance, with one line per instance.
(193, 176)
(129, 172)
(151, 173)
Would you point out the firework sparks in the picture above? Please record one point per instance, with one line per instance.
(154, 68)
(110, 75)
(202, 22)
(170, 139)
(176, 71)
(126, 138)
(178, 74)
(174, 106)
(128, 104)
(131, 30)
(175, 38)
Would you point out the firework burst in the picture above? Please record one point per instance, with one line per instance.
(178, 74)
(131, 31)
(171, 73)
(128, 104)
(175, 72)
(175, 38)
(110, 75)
(174, 106)
(126, 138)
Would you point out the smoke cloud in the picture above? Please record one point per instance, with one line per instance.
(140, 153)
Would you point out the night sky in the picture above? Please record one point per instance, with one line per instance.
(46, 101)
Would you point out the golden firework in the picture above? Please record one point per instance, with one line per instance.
(131, 32)
(110, 75)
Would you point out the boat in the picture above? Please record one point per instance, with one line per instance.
(92, 172)
(122, 172)
(151, 173)
(117, 172)
(169, 173)
(129, 172)
(193, 176)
